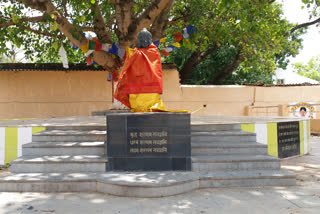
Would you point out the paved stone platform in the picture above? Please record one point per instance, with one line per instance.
(140, 184)
(303, 198)
(99, 121)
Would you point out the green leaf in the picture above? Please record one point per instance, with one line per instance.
(82, 18)
(54, 26)
(56, 45)
(15, 19)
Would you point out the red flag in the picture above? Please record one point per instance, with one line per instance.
(98, 46)
(164, 52)
(89, 60)
(178, 37)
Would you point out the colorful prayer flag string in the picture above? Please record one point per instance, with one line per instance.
(178, 37)
(114, 49)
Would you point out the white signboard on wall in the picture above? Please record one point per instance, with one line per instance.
(297, 108)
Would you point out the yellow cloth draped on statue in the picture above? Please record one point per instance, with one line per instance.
(148, 103)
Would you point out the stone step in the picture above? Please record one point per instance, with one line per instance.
(222, 148)
(141, 184)
(69, 136)
(133, 184)
(228, 145)
(234, 162)
(78, 127)
(223, 136)
(61, 164)
(63, 148)
(214, 127)
(247, 178)
(48, 182)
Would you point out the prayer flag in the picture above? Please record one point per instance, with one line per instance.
(164, 52)
(178, 37)
(177, 44)
(92, 45)
(163, 40)
(89, 60)
(98, 46)
(156, 43)
(114, 49)
(85, 47)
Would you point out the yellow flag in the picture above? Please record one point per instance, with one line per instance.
(163, 40)
(177, 44)
(85, 47)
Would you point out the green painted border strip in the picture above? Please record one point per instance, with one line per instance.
(11, 144)
(38, 129)
(301, 130)
(308, 135)
(272, 139)
(248, 127)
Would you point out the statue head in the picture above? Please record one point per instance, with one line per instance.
(144, 39)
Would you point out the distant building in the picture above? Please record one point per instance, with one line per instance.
(290, 77)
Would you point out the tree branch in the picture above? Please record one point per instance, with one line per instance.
(72, 33)
(99, 26)
(229, 69)
(184, 16)
(88, 29)
(64, 6)
(35, 19)
(124, 18)
(41, 32)
(302, 26)
(151, 13)
(159, 25)
(127, 31)
(194, 60)
(26, 19)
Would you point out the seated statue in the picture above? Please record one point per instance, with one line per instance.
(140, 82)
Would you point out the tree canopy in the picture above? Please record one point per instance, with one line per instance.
(311, 69)
(252, 35)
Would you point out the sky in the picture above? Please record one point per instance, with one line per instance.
(311, 40)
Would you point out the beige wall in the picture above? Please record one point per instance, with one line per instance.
(285, 95)
(315, 125)
(26, 94)
(52, 94)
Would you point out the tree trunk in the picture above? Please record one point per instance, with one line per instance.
(194, 60)
(228, 70)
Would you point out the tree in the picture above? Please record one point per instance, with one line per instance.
(14, 55)
(258, 35)
(255, 28)
(250, 72)
(310, 70)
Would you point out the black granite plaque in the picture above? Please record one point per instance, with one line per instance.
(288, 139)
(148, 141)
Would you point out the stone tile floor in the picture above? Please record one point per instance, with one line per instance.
(303, 198)
(101, 120)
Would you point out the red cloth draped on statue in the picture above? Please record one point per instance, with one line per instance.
(141, 73)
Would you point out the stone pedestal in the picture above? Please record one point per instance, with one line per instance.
(148, 141)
